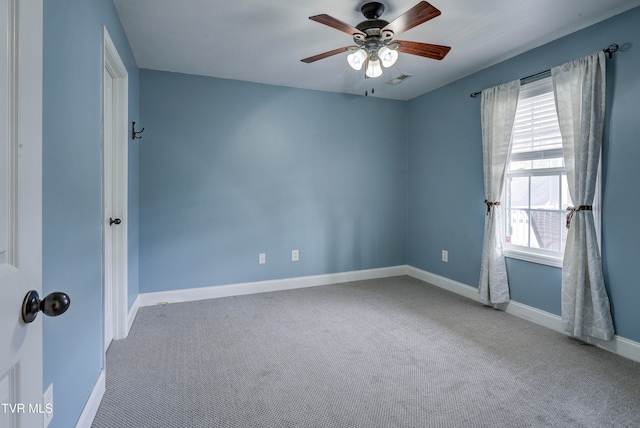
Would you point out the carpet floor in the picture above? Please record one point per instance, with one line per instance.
(393, 352)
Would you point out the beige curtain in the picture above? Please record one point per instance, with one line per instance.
(498, 110)
(579, 88)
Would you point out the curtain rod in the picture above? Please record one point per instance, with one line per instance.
(610, 50)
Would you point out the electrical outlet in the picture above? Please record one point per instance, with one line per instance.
(47, 403)
(445, 256)
(262, 258)
(295, 255)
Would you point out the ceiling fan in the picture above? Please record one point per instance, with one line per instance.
(374, 45)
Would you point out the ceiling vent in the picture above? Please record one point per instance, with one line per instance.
(399, 79)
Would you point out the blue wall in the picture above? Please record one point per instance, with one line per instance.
(72, 199)
(231, 169)
(446, 186)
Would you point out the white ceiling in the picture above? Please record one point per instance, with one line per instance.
(264, 40)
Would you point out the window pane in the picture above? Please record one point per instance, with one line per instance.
(548, 163)
(536, 164)
(536, 159)
(536, 123)
(517, 227)
(566, 198)
(519, 192)
(545, 192)
(521, 165)
(536, 189)
(564, 231)
(546, 230)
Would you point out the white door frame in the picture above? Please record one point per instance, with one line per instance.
(115, 173)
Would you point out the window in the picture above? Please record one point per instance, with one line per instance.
(536, 191)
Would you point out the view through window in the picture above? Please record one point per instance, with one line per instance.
(537, 194)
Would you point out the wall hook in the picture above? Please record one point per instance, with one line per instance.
(134, 133)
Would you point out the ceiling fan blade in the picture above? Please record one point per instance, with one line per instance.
(423, 49)
(422, 12)
(336, 23)
(326, 54)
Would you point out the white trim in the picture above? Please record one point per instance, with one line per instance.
(113, 63)
(111, 53)
(132, 313)
(523, 253)
(93, 403)
(535, 315)
(446, 283)
(193, 294)
(618, 345)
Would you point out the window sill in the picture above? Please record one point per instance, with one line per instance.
(533, 257)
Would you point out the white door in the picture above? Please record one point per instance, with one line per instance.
(114, 189)
(20, 210)
(107, 153)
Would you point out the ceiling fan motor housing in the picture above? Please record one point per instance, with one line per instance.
(372, 26)
(373, 10)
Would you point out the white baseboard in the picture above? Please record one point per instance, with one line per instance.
(618, 345)
(446, 283)
(93, 403)
(193, 294)
(132, 314)
(537, 316)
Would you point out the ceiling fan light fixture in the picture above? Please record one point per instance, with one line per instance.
(373, 68)
(357, 59)
(387, 56)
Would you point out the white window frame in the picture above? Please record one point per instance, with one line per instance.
(535, 255)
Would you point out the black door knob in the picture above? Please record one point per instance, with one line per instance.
(52, 305)
(114, 221)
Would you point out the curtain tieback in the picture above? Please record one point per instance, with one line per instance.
(572, 210)
(490, 204)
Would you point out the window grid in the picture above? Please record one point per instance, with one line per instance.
(559, 227)
(535, 224)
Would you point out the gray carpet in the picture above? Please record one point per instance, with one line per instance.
(383, 353)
